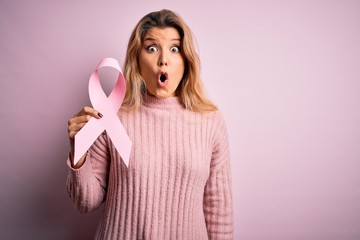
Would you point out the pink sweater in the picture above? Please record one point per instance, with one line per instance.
(177, 186)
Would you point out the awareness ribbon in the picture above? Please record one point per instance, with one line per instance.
(110, 122)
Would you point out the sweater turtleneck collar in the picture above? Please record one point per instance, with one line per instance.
(169, 102)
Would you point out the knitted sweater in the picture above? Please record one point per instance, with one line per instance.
(177, 185)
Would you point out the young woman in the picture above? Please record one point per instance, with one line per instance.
(178, 183)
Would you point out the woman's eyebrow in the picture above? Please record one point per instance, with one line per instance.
(149, 39)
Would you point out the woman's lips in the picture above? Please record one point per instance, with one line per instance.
(163, 79)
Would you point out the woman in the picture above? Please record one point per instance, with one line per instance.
(178, 183)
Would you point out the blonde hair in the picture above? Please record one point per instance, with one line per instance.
(190, 89)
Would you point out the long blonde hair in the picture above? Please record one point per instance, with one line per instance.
(190, 89)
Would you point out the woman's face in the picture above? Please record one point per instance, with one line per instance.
(161, 61)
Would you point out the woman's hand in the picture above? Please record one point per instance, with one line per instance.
(75, 124)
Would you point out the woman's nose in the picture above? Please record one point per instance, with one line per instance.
(163, 61)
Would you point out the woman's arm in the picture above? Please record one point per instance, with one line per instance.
(87, 180)
(86, 186)
(218, 207)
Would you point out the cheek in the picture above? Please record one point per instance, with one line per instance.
(180, 63)
(141, 65)
(144, 63)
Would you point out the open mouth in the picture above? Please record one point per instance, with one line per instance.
(163, 79)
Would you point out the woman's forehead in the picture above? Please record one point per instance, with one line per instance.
(167, 34)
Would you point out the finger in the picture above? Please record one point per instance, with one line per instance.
(72, 134)
(79, 119)
(92, 112)
(74, 129)
(76, 126)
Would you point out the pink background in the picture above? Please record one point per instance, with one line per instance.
(285, 74)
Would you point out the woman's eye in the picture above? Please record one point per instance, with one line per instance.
(151, 48)
(175, 49)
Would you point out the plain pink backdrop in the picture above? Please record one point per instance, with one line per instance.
(285, 74)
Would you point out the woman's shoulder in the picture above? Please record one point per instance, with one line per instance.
(124, 110)
(215, 115)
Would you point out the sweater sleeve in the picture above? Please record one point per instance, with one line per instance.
(218, 207)
(86, 186)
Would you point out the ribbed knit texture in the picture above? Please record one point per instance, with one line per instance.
(177, 186)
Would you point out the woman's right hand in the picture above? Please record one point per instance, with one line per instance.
(75, 124)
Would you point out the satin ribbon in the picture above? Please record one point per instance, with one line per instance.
(108, 106)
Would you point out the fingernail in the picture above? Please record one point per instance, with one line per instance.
(100, 115)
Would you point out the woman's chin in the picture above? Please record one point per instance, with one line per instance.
(161, 93)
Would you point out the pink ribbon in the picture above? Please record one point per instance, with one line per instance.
(108, 106)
